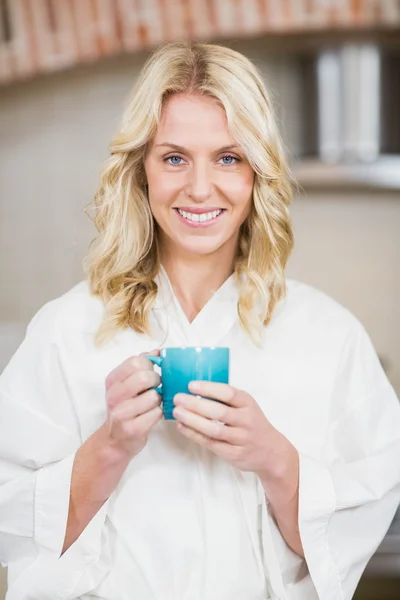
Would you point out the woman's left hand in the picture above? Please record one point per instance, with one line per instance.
(235, 428)
(238, 432)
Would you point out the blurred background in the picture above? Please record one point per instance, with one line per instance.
(333, 68)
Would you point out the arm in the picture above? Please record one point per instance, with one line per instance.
(96, 473)
(249, 442)
(44, 470)
(282, 493)
(350, 489)
(133, 409)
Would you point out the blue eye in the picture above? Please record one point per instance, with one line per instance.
(229, 160)
(177, 160)
(174, 160)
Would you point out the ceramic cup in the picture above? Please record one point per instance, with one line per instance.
(179, 366)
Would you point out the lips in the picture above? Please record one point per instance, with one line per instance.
(201, 218)
(198, 210)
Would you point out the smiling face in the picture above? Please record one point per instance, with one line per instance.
(199, 181)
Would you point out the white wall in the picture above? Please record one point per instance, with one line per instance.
(349, 246)
(54, 133)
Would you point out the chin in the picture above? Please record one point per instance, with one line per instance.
(199, 250)
(199, 247)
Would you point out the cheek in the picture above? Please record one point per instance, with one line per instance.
(239, 191)
(163, 188)
(236, 185)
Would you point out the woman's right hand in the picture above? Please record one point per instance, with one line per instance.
(133, 406)
(133, 409)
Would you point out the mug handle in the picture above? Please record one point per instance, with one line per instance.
(156, 360)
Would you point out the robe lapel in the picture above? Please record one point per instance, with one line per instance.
(209, 327)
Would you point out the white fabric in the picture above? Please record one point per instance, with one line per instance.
(183, 524)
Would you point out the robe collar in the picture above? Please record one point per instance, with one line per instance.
(209, 327)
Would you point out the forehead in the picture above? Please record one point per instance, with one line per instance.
(187, 120)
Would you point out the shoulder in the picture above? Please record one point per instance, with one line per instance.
(325, 338)
(76, 311)
(311, 319)
(313, 308)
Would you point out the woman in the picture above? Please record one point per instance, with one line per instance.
(285, 489)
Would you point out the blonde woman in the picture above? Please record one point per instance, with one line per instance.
(284, 490)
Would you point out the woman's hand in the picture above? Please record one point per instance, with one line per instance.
(133, 409)
(133, 406)
(234, 428)
(238, 432)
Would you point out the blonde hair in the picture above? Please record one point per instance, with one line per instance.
(124, 258)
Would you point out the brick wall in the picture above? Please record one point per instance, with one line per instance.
(44, 35)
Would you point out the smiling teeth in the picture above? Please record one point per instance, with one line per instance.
(199, 218)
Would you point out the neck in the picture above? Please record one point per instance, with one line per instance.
(194, 279)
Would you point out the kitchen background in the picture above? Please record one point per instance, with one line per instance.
(66, 68)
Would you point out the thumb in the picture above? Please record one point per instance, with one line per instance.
(155, 352)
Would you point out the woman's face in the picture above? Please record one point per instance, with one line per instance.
(199, 181)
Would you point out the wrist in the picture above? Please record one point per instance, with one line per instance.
(281, 467)
(110, 454)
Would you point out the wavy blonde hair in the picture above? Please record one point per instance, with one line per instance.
(124, 258)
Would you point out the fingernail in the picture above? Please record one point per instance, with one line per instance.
(194, 386)
(179, 399)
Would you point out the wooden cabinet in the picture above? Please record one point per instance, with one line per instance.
(38, 36)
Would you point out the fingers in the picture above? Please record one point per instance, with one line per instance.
(151, 353)
(217, 446)
(141, 425)
(134, 407)
(131, 387)
(135, 428)
(219, 391)
(209, 428)
(149, 419)
(127, 368)
(209, 408)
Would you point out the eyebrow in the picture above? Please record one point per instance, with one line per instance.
(184, 150)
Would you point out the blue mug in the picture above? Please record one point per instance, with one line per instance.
(180, 366)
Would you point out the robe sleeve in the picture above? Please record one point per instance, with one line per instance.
(348, 496)
(39, 437)
(349, 491)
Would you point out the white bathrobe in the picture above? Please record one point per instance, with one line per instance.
(183, 524)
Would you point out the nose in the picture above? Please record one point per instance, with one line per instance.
(199, 186)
